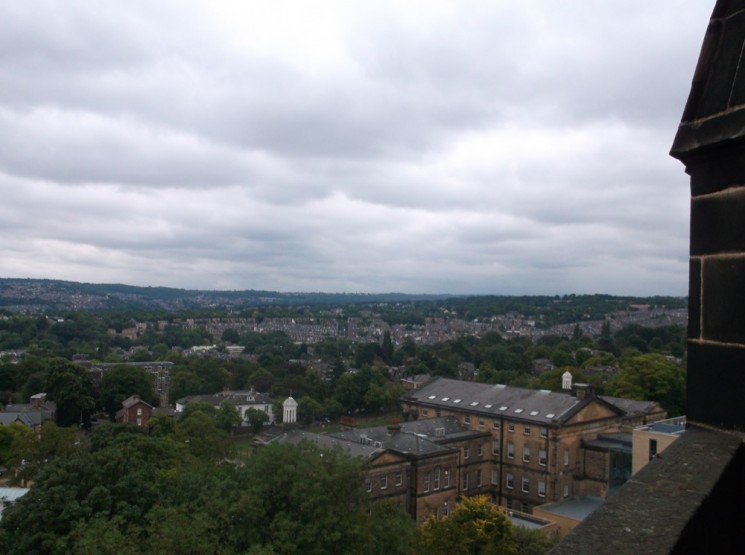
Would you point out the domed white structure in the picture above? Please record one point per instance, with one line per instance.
(289, 412)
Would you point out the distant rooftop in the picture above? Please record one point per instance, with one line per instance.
(328, 442)
(671, 426)
(540, 406)
(578, 508)
(527, 521)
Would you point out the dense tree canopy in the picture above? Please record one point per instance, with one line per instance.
(476, 526)
(134, 493)
(120, 382)
(652, 377)
(71, 387)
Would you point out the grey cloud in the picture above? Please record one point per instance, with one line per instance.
(459, 147)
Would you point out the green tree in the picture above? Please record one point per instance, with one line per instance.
(71, 388)
(113, 486)
(651, 377)
(120, 382)
(162, 425)
(476, 526)
(231, 335)
(349, 393)
(11, 436)
(184, 381)
(205, 439)
(293, 499)
(227, 417)
(386, 348)
(308, 409)
(256, 419)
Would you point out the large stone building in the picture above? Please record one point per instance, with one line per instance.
(424, 465)
(241, 400)
(542, 446)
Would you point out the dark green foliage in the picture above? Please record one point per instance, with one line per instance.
(651, 377)
(120, 382)
(131, 493)
(308, 409)
(231, 335)
(312, 504)
(227, 417)
(70, 386)
(256, 419)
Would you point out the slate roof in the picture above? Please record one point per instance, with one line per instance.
(538, 406)
(531, 405)
(47, 407)
(326, 441)
(129, 402)
(419, 437)
(631, 407)
(30, 419)
(397, 441)
(234, 397)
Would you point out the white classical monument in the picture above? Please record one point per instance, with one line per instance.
(566, 380)
(289, 414)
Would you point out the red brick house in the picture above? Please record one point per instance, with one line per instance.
(135, 411)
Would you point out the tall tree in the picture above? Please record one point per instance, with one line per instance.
(120, 382)
(475, 526)
(652, 377)
(227, 417)
(71, 388)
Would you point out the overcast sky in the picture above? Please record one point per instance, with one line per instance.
(476, 147)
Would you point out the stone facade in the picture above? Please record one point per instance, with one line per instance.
(537, 447)
(423, 465)
(711, 143)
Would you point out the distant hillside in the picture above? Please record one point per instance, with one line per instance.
(45, 295)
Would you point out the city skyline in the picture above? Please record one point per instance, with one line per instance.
(439, 147)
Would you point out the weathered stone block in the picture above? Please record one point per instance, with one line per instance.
(727, 168)
(723, 300)
(716, 385)
(694, 298)
(718, 223)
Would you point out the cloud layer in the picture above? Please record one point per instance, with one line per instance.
(423, 147)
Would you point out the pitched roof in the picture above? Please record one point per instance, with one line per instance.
(396, 441)
(632, 407)
(295, 436)
(419, 437)
(129, 402)
(538, 406)
(534, 405)
(249, 397)
(30, 419)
